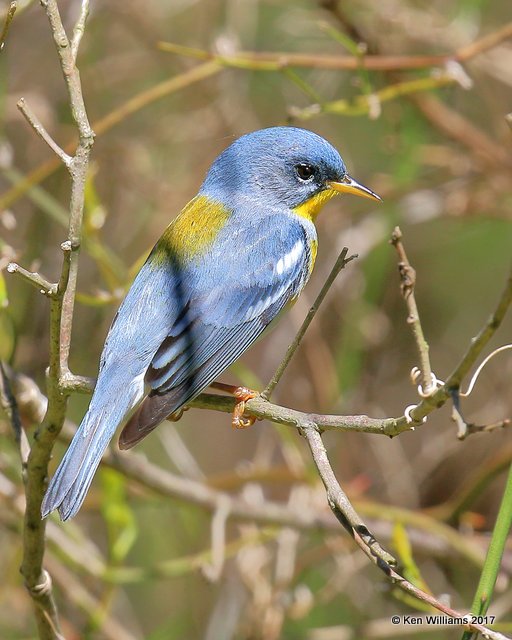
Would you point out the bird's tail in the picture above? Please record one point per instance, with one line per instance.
(69, 485)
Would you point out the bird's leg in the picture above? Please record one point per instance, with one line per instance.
(239, 421)
(242, 394)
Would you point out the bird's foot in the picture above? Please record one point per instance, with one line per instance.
(239, 421)
(241, 394)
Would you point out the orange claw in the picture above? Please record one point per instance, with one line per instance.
(239, 421)
(242, 394)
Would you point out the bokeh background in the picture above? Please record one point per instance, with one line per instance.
(135, 564)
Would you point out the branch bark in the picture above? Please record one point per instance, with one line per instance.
(407, 286)
(37, 580)
(277, 61)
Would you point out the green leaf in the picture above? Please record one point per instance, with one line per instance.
(121, 523)
(403, 548)
(4, 301)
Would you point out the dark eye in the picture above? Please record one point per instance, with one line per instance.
(305, 171)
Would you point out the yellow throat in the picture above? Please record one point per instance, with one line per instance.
(311, 208)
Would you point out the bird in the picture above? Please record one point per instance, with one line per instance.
(239, 253)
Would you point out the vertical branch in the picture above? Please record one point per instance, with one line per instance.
(78, 167)
(37, 580)
(407, 284)
(341, 506)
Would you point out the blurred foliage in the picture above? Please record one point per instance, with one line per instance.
(453, 202)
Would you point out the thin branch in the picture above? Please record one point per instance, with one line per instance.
(365, 540)
(78, 170)
(338, 266)
(37, 580)
(276, 61)
(470, 428)
(454, 125)
(71, 383)
(13, 5)
(79, 29)
(485, 43)
(370, 103)
(68, 279)
(477, 344)
(407, 286)
(213, 570)
(340, 504)
(38, 127)
(44, 286)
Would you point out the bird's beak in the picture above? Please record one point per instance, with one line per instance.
(349, 185)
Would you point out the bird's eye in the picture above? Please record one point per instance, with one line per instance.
(305, 171)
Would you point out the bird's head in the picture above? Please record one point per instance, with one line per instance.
(281, 166)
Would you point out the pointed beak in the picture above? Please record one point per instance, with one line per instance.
(349, 185)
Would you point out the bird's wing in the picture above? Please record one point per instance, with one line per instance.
(236, 297)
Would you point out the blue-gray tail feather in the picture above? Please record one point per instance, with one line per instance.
(69, 485)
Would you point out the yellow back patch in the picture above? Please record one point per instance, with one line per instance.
(311, 208)
(194, 230)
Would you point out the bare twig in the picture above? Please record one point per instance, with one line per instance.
(407, 285)
(456, 126)
(371, 103)
(13, 5)
(340, 264)
(276, 61)
(47, 288)
(340, 504)
(340, 507)
(485, 43)
(37, 580)
(485, 428)
(477, 344)
(79, 29)
(36, 124)
(213, 569)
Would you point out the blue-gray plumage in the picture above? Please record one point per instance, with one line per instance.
(241, 250)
